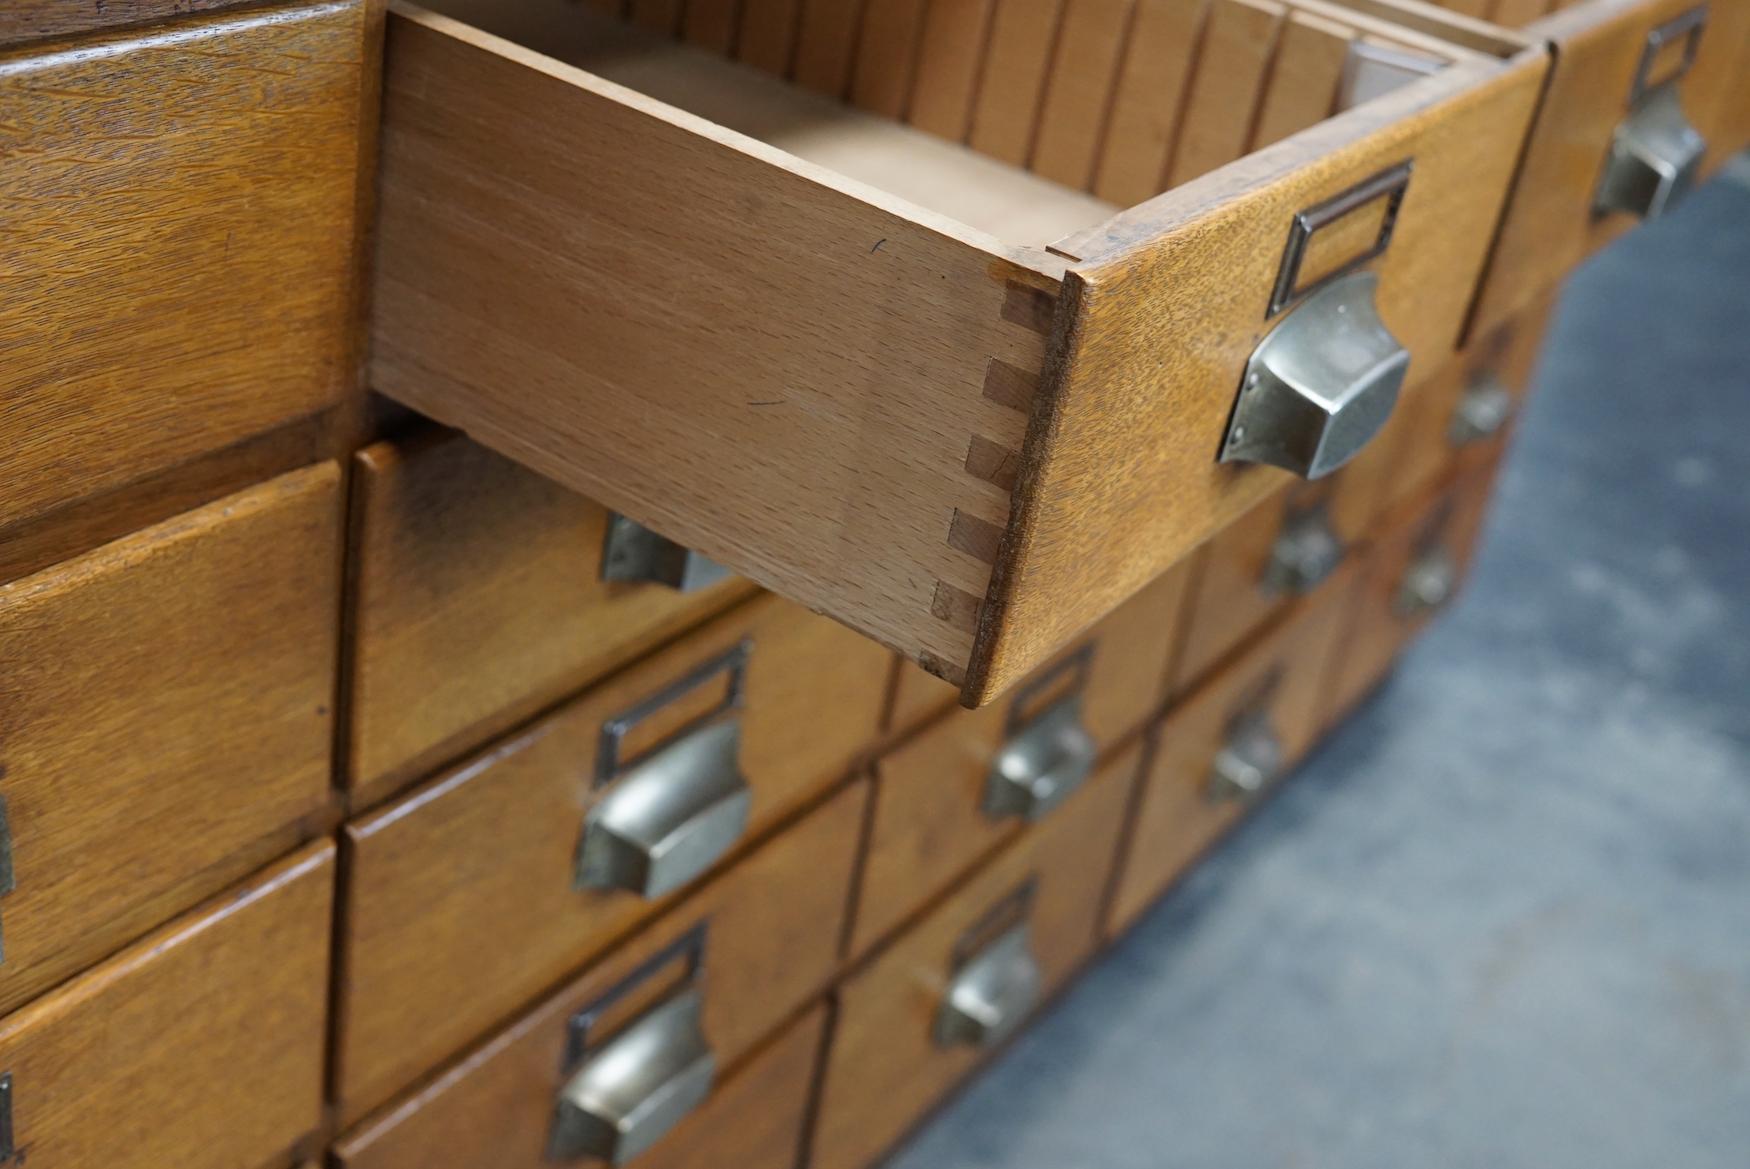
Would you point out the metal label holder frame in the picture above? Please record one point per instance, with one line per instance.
(1389, 184)
(734, 663)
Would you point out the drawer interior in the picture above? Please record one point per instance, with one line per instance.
(1024, 137)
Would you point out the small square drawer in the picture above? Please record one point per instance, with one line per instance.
(1225, 746)
(961, 405)
(1411, 574)
(1635, 89)
(477, 890)
(481, 596)
(675, 1012)
(178, 272)
(916, 1018)
(958, 789)
(201, 1047)
(167, 724)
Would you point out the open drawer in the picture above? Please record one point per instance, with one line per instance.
(963, 400)
(1639, 105)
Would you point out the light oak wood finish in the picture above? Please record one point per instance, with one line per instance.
(1283, 676)
(770, 944)
(167, 722)
(929, 826)
(1377, 628)
(180, 273)
(1086, 57)
(201, 1047)
(837, 363)
(477, 602)
(1149, 99)
(884, 1070)
(460, 905)
(1239, 42)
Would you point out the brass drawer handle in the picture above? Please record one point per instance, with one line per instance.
(1428, 583)
(1306, 552)
(1483, 411)
(637, 1087)
(991, 994)
(1320, 384)
(670, 817)
(1041, 765)
(1655, 155)
(1248, 763)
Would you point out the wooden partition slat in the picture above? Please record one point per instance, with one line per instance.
(1016, 63)
(1230, 73)
(1149, 101)
(1518, 13)
(950, 60)
(826, 45)
(1078, 94)
(1302, 89)
(887, 56)
(662, 16)
(712, 24)
(768, 34)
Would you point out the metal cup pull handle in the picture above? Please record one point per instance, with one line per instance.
(991, 994)
(1483, 411)
(637, 1087)
(1428, 583)
(633, 554)
(1306, 552)
(1040, 766)
(670, 817)
(1248, 763)
(1655, 158)
(1320, 384)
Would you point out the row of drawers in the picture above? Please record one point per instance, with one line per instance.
(942, 433)
(175, 693)
(715, 990)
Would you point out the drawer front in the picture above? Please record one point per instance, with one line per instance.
(167, 724)
(1222, 747)
(1410, 575)
(1600, 46)
(201, 1047)
(1012, 934)
(477, 890)
(480, 599)
(1169, 301)
(173, 260)
(977, 778)
(749, 950)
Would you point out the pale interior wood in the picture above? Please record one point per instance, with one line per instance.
(1012, 204)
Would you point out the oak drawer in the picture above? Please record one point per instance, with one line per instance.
(1411, 574)
(167, 720)
(201, 1047)
(479, 599)
(173, 261)
(746, 953)
(482, 887)
(959, 788)
(931, 428)
(1221, 748)
(1015, 931)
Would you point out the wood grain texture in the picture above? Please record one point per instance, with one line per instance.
(1149, 102)
(1078, 94)
(1233, 64)
(30, 20)
(887, 53)
(884, 1070)
(1005, 116)
(477, 602)
(1302, 88)
(169, 261)
(496, 1110)
(950, 61)
(771, 942)
(201, 1047)
(1167, 301)
(168, 710)
(768, 34)
(461, 905)
(826, 45)
(1376, 629)
(1549, 226)
(929, 826)
(812, 335)
(1285, 673)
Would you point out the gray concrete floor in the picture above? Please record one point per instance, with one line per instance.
(1503, 917)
